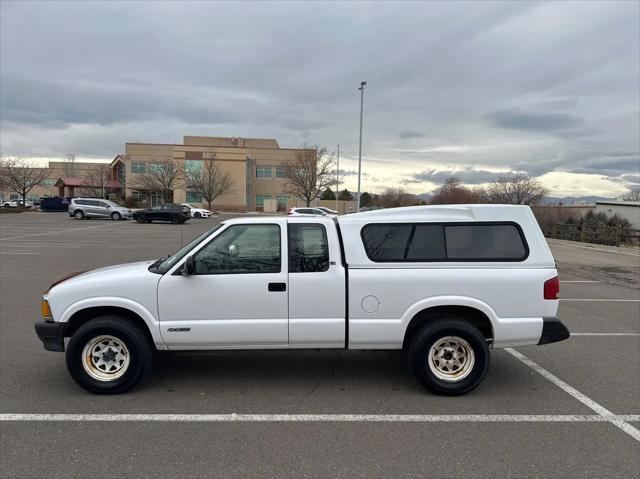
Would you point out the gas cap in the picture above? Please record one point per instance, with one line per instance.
(370, 304)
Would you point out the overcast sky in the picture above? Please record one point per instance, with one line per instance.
(475, 89)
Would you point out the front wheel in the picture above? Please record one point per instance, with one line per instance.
(115, 216)
(197, 214)
(140, 219)
(78, 215)
(109, 355)
(449, 356)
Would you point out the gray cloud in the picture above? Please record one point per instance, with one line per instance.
(121, 71)
(533, 121)
(407, 134)
(468, 176)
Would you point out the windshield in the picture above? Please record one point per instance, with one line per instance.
(162, 265)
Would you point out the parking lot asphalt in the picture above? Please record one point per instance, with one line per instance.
(519, 422)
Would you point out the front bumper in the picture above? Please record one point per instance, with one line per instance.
(553, 331)
(51, 334)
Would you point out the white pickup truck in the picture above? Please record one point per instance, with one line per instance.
(444, 283)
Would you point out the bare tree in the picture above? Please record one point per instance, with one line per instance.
(208, 180)
(96, 179)
(161, 176)
(632, 195)
(69, 167)
(395, 197)
(454, 192)
(311, 171)
(518, 189)
(21, 176)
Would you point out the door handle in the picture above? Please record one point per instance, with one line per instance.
(277, 286)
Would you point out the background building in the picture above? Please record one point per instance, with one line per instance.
(254, 165)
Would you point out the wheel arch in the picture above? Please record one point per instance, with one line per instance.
(479, 317)
(79, 314)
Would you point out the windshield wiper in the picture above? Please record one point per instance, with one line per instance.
(157, 262)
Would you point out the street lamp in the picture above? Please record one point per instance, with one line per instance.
(362, 84)
(338, 177)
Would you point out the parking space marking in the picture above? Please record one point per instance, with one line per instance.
(599, 249)
(578, 281)
(16, 252)
(313, 418)
(590, 403)
(602, 300)
(605, 334)
(53, 232)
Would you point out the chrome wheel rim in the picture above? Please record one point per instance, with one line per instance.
(451, 358)
(78, 216)
(105, 358)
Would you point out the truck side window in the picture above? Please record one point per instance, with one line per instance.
(241, 249)
(308, 248)
(427, 243)
(484, 242)
(386, 242)
(417, 242)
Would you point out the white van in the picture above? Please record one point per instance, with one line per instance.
(444, 283)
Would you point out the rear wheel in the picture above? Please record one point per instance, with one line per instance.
(109, 355)
(115, 216)
(78, 214)
(449, 356)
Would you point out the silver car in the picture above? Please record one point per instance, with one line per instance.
(81, 208)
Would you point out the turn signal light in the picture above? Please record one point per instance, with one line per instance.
(552, 288)
(45, 309)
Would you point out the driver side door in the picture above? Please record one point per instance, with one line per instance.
(236, 296)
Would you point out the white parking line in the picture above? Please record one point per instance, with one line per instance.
(16, 252)
(605, 334)
(602, 300)
(590, 403)
(52, 232)
(314, 418)
(578, 281)
(598, 249)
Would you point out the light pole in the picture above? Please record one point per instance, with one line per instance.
(362, 84)
(338, 177)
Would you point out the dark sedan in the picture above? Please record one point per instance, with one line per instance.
(173, 213)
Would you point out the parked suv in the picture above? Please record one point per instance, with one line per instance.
(446, 284)
(172, 212)
(81, 208)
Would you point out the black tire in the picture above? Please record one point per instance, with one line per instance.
(115, 216)
(140, 218)
(428, 336)
(176, 220)
(197, 214)
(78, 214)
(140, 354)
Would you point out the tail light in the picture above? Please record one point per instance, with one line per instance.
(552, 288)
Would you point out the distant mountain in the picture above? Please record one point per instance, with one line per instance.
(574, 200)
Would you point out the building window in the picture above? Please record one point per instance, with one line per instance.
(193, 166)
(139, 196)
(264, 172)
(260, 199)
(282, 201)
(137, 167)
(49, 182)
(194, 197)
(281, 172)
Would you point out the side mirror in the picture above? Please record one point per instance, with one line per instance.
(188, 267)
(234, 250)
